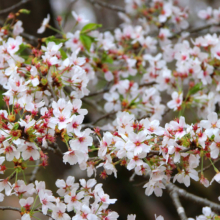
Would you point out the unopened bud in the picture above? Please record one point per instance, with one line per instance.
(11, 118)
(44, 70)
(24, 11)
(34, 61)
(44, 81)
(59, 19)
(11, 16)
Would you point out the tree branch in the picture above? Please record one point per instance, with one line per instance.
(147, 84)
(194, 30)
(97, 93)
(107, 89)
(174, 196)
(30, 38)
(106, 5)
(103, 117)
(34, 172)
(155, 152)
(4, 208)
(202, 201)
(11, 8)
(55, 149)
(93, 104)
(69, 9)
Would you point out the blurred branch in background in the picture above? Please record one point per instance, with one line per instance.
(69, 9)
(106, 5)
(13, 7)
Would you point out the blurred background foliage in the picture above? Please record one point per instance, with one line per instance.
(130, 194)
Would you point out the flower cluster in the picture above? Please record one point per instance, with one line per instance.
(144, 75)
(207, 214)
(87, 199)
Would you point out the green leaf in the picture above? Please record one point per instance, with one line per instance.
(121, 97)
(93, 147)
(212, 137)
(22, 47)
(1, 99)
(106, 58)
(54, 39)
(16, 125)
(90, 27)
(86, 41)
(195, 88)
(63, 54)
(133, 101)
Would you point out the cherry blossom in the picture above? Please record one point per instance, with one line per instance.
(79, 18)
(176, 102)
(5, 185)
(59, 212)
(160, 217)
(29, 150)
(67, 186)
(205, 14)
(18, 29)
(55, 99)
(44, 25)
(46, 201)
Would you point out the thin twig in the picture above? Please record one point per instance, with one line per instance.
(155, 152)
(194, 30)
(107, 89)
(55, 149)
(53, 93)
(30, 38)
(56, 146)
(93, 104)
(4, 208)
(167, 111)
(103, 117)
(34, 172)
(106, 5)
(209, 166)
(147, 84)
(98, 92)
(91, 125)
(11, 8)
(132, 177)
(69, 9)
(11, 177)
(147, 116)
